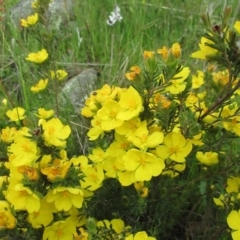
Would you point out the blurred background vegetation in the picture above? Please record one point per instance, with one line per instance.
(146, 25)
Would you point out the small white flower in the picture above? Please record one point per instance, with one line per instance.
(114, 16)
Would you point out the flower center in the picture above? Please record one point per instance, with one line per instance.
(59, 233)
(23, 193)
(65, 194)
(173, 149)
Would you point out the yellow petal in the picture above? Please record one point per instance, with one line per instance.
(233, 220)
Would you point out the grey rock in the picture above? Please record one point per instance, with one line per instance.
(59, 12)
(78, 88)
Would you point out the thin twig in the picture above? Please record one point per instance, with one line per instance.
(80, 143)
(219, 102)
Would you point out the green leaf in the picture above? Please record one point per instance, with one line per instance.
(91, 225)
(203, 187)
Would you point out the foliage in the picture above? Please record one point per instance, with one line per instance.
(161, 160)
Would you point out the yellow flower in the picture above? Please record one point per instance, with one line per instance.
(130, 76)
(141, 189)
(7, 220)
(197, 139)
(164, 52)
(38, 57)
(108, 115)
(139, 186)
(55, 133)
(207, 158)
(14, 176)
(139, 236)
(177, 82)
(129, 127)
(93, 179)
(83, 235)
(90, 108)
(22, 198)
(161, 101)
(65, 198)
(7, 134)
(233, 186)
(23, 151)
(131, 102)
(23, 132)
(146, 165)
(98, 155)
(221, 78)
(80, 161)
(219, 201)
(119, 146)
(30, 173)
(191, 100)
(126, 178)
(142, 139)
(148, 54)
(116, 224)
(144, 193)
(232, 124)
(44, 114)
(106, 93)
(41, 85)
(56, 170)
(112, 166)
(233, 221)
(30, 21)
(59, 74)
(61, 230)
(135, 71)
(197, 80)
(43, 216)
(237, 26)
(175, 147)
(96, 129)
(176, 50)
(173, 169)
(16, 114)
(77, 216)
(205, 50)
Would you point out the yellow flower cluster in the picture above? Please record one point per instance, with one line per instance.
(29, 163)
(140, 150)
(38, 157)
(143, 147)
(156, 126)
(231, 196)
(232, 192)
(42, 84)
(233, 221)
(175, 51)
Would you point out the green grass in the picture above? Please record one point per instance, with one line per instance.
(111, 50)
(146, 25)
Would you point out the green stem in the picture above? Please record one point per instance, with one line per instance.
(23, 84)
(219, 102)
